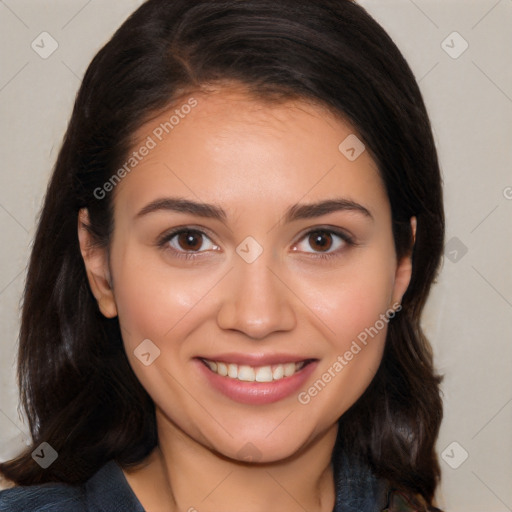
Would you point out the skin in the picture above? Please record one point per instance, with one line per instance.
(255, 161)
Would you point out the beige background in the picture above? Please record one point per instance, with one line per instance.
(469, 315)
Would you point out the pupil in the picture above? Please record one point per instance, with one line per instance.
(190, 241)
(321, 240)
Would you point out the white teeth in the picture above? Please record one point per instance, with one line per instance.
(289, 369)
(264, 374)
(233, 371)
(248, 373)
(278, 372)
(222, 369)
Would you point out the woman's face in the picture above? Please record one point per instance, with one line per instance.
(246, 241)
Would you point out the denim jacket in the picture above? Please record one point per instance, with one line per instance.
(108, 491)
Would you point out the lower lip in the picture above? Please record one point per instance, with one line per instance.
(257, 393)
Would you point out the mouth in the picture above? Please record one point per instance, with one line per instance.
(255, 379)
(262, 374)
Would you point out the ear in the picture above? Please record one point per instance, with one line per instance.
(404, 269)
(97, 267)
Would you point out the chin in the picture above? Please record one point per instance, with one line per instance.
(265, 449)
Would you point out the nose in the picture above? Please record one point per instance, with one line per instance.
(256, 302)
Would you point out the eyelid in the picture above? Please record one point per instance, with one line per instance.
(342, 233)
(185, 227)
(164, 239)
(348, 241)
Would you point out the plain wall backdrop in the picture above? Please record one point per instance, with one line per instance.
(461, 53)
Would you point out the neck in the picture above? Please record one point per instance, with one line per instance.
(184, 475)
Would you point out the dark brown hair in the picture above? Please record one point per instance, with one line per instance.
(76, 385)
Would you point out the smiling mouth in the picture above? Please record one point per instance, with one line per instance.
(247, 373)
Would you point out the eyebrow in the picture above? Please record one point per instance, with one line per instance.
(295, 212)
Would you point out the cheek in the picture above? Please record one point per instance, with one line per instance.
(154, 301)
(352, 300)
(161, 305)
(354, 307)
(357, 329)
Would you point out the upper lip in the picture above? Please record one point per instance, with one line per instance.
(257, 359)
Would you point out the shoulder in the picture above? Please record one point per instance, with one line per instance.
(106, 491)
(52, 497)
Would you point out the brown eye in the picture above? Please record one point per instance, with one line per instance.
(324, 243)
(187, 242)
(320, 241)
(190, 240)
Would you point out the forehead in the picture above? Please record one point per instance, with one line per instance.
(230, 147)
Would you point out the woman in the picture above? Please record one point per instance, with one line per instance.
(222, 309)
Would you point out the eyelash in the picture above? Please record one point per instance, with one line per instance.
(166, 238)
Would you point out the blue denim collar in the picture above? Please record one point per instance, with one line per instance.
(357, 488)
(108, 491)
